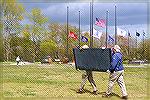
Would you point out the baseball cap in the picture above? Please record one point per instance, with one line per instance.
(117, 48)
(85, 47)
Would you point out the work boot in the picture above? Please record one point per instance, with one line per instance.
(95, 92)
(80, 91)
(105, 95)
(125, 97)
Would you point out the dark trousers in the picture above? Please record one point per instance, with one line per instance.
(17, 62)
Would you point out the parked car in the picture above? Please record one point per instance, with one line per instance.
(137, 62)
(46, 59)
(64, 60)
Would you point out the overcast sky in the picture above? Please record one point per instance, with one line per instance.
(130, 16)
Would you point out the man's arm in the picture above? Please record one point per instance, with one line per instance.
(114, 62)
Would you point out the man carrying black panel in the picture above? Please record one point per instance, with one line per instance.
(87, 75)
(116, 71)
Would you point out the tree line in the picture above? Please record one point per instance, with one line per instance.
(42, 38)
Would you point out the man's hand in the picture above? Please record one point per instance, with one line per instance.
(107, 71)
(81, 49)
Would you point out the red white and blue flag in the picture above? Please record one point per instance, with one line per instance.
(100, 22)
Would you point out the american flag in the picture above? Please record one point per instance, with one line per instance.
(100, 22)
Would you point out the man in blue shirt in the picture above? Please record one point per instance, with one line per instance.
(116, 71)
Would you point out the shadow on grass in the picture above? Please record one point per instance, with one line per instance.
(84, 91)
(112, 94)
(98, 93)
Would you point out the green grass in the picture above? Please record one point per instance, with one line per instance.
(56, 81)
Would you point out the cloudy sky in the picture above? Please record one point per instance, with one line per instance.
(131, 16)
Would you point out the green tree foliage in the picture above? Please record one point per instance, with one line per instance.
(26, 49)
(11, 15)
(26, 44)
(48, 47)
(26, 32)
(15, 46)
(12, 10)
(123, 42)
(1, 43)
(40, 39)
(139, 52)
(38, 30)
(72, 43)
(58, 34)
(144, 50)
(39, 21)
(1, 36)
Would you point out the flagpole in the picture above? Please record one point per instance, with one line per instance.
(128, 43)
(91, 24)
(136, 47)
(67, 31)
(143, 45)
(106, 27)
(79, 30)
(115, 26)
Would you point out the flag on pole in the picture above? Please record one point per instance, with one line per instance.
(100, 22)
(137, 34)
(110, 39)
(72, 35)
(97, 34)
(129, 34)
(84, 39)
(143, 33)
(121, 32)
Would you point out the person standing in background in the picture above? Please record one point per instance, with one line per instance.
(18, 60)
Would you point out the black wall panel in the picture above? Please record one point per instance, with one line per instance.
(95, 59)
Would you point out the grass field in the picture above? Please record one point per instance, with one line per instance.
(61, 81)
